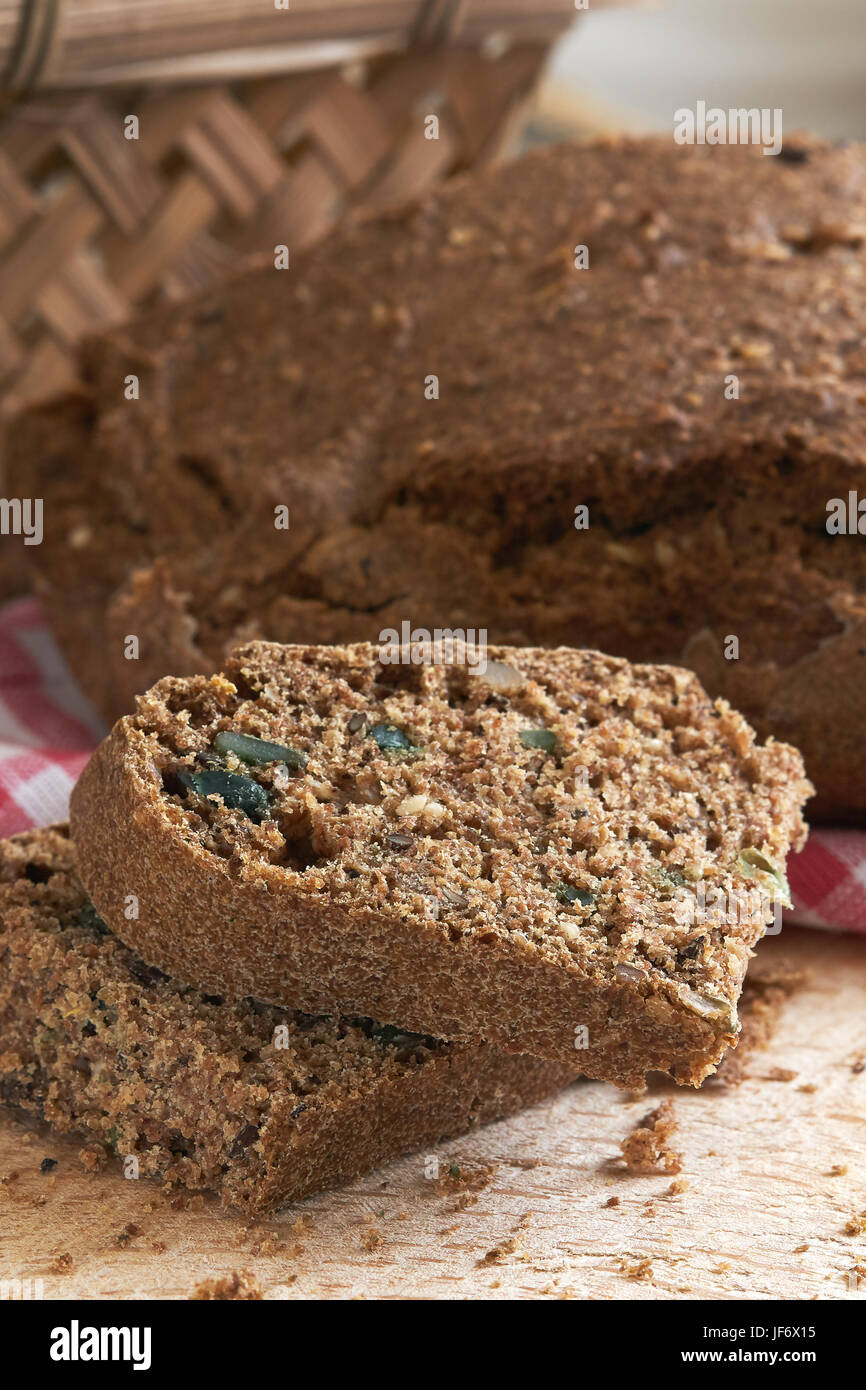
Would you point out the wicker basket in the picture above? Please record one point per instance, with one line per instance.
(95, 226)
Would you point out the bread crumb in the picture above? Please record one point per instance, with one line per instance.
(270, 1244)
(129, 1232)
(799, 1249)
(61, 1264)
(780, 1074)
(642, 1270)
(499, 1253)
(838, 1170)
(93, 1157)
(467, 1180)
(766, 991)
(240, 1284)
(512, 1246)
(612, 1202)
(678, 1186)
(645, 1149)
(857, 1225)
(371, 1240)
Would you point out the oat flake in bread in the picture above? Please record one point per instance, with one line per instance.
(501, 856)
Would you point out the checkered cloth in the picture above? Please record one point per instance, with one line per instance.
(48, 730)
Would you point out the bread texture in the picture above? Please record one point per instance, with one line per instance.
(698, 388)
(259, 1104)
(514, 855)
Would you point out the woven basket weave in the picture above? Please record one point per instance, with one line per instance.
(94, 227)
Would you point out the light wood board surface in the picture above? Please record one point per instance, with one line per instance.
(762, 1217)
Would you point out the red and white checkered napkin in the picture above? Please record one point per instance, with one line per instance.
(48, 730)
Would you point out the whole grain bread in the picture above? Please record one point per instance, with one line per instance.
(513, 855)
(699, 388)
(260, 1104)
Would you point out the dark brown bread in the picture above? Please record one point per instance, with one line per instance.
(260, 1104)
(558, 387)
(505, 855)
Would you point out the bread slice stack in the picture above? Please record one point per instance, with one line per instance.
(319, 906)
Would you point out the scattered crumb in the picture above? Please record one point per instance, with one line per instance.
(129, 1232)
(467, 1180)
(61, 1264)
(499, 1253)
(612, 1202)
(47, 1164)
(838, 1170)
(270, 1244)
(93, 1157)
(643, 1270)
(765, 994)
(645, 1149)
(678, 1186)
(800, 1249)
(159, 1247)
(858, 1066)
(857, 1225)
(241, 1284)
(723, 1268)
(809, 1089)
(371, 1240)
(513, 1245)
(780, 1074)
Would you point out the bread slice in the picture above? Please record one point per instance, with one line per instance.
(509, 855)
(258, 1103)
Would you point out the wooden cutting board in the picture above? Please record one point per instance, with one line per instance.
(764, 1214)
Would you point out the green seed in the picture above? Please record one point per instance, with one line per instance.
(258, 750)
(89, 917)
(752, 862)
(566, 894)
(238, 793)
(669, 879)
(390, 739)
(539, 738)
(396, 1037)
